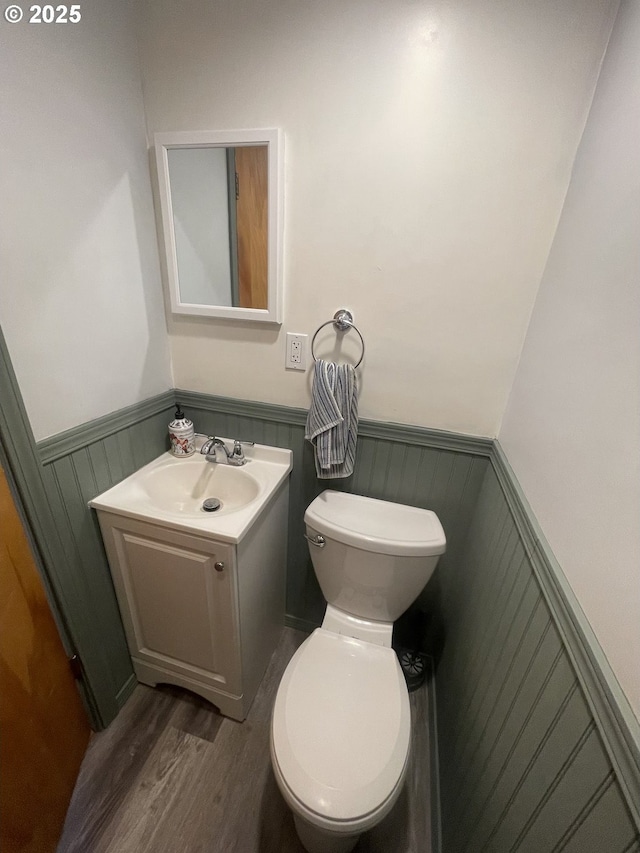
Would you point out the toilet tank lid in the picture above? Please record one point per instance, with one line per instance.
(375, 525)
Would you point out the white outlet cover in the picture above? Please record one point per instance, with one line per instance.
(295, 357)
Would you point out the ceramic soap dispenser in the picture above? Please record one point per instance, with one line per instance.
(181, 434)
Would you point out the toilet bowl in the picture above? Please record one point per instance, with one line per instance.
(340, 730)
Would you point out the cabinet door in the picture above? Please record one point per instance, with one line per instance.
(179, 608)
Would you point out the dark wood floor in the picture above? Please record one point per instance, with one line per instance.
(170, 775)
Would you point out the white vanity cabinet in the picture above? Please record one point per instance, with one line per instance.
(198, 612)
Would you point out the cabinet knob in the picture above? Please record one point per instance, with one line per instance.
(219, 566)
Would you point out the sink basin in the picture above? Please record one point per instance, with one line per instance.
(170, 491)
(181, 485)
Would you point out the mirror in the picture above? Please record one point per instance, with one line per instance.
(221, 206)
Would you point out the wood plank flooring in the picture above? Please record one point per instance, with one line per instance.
(171, 775)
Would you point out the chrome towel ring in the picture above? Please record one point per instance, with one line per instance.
(343, 321)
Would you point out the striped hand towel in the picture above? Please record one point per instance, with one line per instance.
(332, 422)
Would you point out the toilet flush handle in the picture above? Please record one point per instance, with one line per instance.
(317, 540)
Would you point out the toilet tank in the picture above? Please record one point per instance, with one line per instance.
(377, 555)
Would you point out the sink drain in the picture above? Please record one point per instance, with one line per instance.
(211, 504)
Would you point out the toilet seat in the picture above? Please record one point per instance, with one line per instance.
(340, 731)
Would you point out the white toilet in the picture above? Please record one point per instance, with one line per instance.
(340, 731)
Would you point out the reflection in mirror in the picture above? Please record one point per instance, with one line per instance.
(221, 201)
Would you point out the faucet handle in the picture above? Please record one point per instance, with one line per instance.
(237, 457)
(237, 446)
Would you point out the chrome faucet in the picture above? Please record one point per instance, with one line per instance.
(233, 457)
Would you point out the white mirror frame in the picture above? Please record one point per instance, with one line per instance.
(273, 139)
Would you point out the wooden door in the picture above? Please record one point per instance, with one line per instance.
(252, 225)
(45, 729)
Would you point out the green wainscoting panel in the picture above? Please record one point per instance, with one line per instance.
(608, 703)
(76, 466)
(523, 766)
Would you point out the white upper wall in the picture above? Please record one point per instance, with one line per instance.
(572, 427)
(81, 302)
(428, 149)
